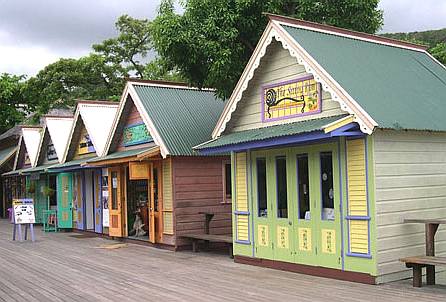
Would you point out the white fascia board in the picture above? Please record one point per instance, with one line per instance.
(70, 136)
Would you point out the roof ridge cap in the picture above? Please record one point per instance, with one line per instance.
(339, 31)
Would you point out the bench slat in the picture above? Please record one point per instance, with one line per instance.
(209, 237)
(426, 260)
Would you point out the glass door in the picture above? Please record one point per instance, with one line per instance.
(317, 224)
(116, 202)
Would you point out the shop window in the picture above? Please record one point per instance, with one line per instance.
(227, 182)
(282, 190)
(327, 190)
(261, 187)
(303, 182)
(53, 185)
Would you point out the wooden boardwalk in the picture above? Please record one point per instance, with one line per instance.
(61, 267)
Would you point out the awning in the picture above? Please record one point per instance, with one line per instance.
(38, 169)
(6, 154)
(124, 156)
(69, 165)
(14, 172)
(291, 133)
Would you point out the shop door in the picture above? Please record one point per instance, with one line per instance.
(97, 175)
(317, 222)
(116, 202)
(64, 200)
(78, 201)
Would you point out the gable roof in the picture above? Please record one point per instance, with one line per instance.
(31, 137)
(59, 128)
(97, 117)
(382, 82)
(6, 154)
(177, 116)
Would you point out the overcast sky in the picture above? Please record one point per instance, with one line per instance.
(34, 33)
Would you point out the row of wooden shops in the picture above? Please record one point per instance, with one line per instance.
(328, 142)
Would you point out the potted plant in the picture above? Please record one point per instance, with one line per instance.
(48, 192)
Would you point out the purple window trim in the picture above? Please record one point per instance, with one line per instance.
(303, 78)
(242, 242)
(351, 217)
(341, 213)
(241, 213)
(368, 256)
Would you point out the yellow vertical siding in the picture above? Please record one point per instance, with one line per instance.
(167, 197)
(357, 196)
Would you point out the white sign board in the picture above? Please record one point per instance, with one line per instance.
(24, 211)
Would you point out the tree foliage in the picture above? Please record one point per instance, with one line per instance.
(12, 107)
(59, 84)
(211, 42)
(127, 51)
(439, 52)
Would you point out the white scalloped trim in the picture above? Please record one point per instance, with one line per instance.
(273, 34)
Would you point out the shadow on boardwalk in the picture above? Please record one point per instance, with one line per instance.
(60, 267)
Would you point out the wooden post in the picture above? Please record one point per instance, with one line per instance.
(430, 230)
(417, 281)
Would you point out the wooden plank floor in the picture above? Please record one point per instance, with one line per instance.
(60, 267)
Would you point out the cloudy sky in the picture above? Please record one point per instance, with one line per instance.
(34, 33)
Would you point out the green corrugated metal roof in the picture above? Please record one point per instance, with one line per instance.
(6, 153)
(76, 162)
(14, 172)
(42, 168)
(399, 88)
(122, 154)
(270, 132)
(183, 117)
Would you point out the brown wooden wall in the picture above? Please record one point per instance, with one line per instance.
(198, 187)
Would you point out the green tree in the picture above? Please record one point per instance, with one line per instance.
(212, 41)
(129, 49)
(439, 52)
(12, 108)
(61, 83)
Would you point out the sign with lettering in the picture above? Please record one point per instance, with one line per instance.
(305, 239)
(262, 235)
(51, 152)
(138, 170)
(282, 237)
(135, 135)
(328, 241)
(23, 211)
(293, 98)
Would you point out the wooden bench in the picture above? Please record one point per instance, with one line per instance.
(418, 262)
(209, 238)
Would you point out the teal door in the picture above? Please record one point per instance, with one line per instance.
(40, 200)
(64, 200)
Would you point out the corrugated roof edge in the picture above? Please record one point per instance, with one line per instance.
(166, 84)
(345, 32)
(341, 116)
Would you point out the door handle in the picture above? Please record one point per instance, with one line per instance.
(290, 223)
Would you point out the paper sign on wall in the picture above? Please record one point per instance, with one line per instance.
(262, 235)
(24, 211)
(305, 239)
(328, 241)
(282, 237)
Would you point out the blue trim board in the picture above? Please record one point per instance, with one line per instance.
(242, 242)
(241, 212)
(357, 217)
(368, 256)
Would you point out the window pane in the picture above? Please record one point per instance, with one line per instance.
(261, 187)
(303, 181)
(327, 192)
(282, 190)
(114, 191)
(155, 188)
(228, 183)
